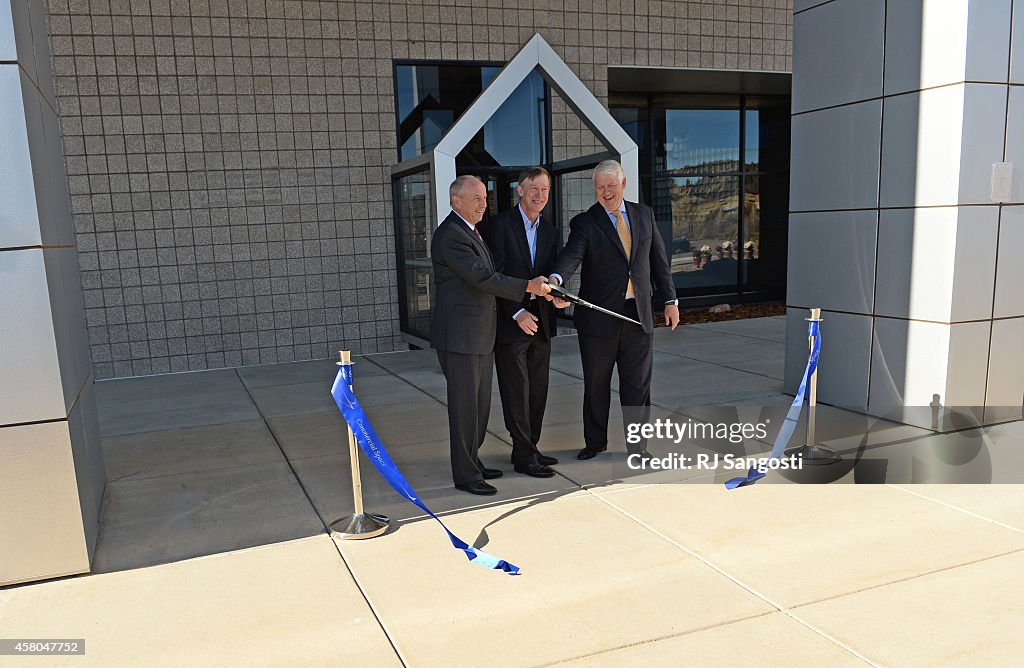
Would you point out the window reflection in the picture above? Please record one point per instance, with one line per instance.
(414, 226)
(704, 214)
(715, 169)
(431, 98)
(701, 141)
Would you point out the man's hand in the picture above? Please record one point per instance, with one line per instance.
(555, 282)
(527, 322)
(559, 302)
(538, 286)
(672, 315)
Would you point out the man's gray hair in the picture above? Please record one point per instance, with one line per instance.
(610, 167)
(459, 183)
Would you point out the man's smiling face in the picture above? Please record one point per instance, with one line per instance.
(609, 190)
(533, 195)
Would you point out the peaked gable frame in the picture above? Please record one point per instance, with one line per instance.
(536, 54)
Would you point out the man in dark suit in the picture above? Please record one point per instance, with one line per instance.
(524, 245)
(624, 267)
(464, 324)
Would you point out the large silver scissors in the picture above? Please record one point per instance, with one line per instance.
(562, 293)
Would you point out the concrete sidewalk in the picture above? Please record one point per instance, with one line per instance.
(213, 545)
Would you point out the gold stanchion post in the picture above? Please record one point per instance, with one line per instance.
(359, 524)
(810, 452)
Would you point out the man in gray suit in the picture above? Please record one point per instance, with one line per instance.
(463, 326)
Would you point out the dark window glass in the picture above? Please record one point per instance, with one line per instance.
(631, 113)
(715, 169)
(766, 194)
(431, 98)
(414, 225)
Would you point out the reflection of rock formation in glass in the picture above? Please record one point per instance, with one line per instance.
(704, 211)
(752, 213)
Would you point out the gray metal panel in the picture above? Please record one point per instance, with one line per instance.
(936, 263)
(982, 140)
(33, 104)
(835, 158)
(41, 51)
(921, 148)
(87, 453)
(1009, 300)
(22, 20)
(8, 50)
(1005, 391)
(988, 40)
(68, 315)
(39, 506)
(19, 218)
(837, 53)
(1015, 139)
(32, 388)
(832, 260)
(1017, 45)
(845, 352)
(920, 371)
(57, 226)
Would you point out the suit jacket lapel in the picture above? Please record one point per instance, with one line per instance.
(520, 228)
(604, 222)
(546, 238)
(474, 236)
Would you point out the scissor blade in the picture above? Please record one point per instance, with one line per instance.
(575, 299)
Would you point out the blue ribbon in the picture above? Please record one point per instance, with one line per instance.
(367, 438)
(789, 424)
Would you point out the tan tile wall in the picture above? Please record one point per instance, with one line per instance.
(229, 159)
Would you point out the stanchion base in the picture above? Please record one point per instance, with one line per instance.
(354, 527)
(815, 455)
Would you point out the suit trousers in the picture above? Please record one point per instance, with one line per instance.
(469, 406)
(523, 383)
(632, 351)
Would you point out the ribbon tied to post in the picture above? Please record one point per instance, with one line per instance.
(368, 440)
(792, 416)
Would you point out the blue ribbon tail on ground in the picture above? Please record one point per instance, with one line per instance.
(367, 438)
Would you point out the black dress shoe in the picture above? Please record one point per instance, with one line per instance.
(535, 470)
(491, 474)
(543, 459)
(588, 453)
(478, 487)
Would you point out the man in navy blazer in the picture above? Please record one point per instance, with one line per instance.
(624, 267)
(463, 326)
(524, 244)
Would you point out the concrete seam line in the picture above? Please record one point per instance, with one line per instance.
(956, 508)
(316, 511)
(742, 585)
(909, 578)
